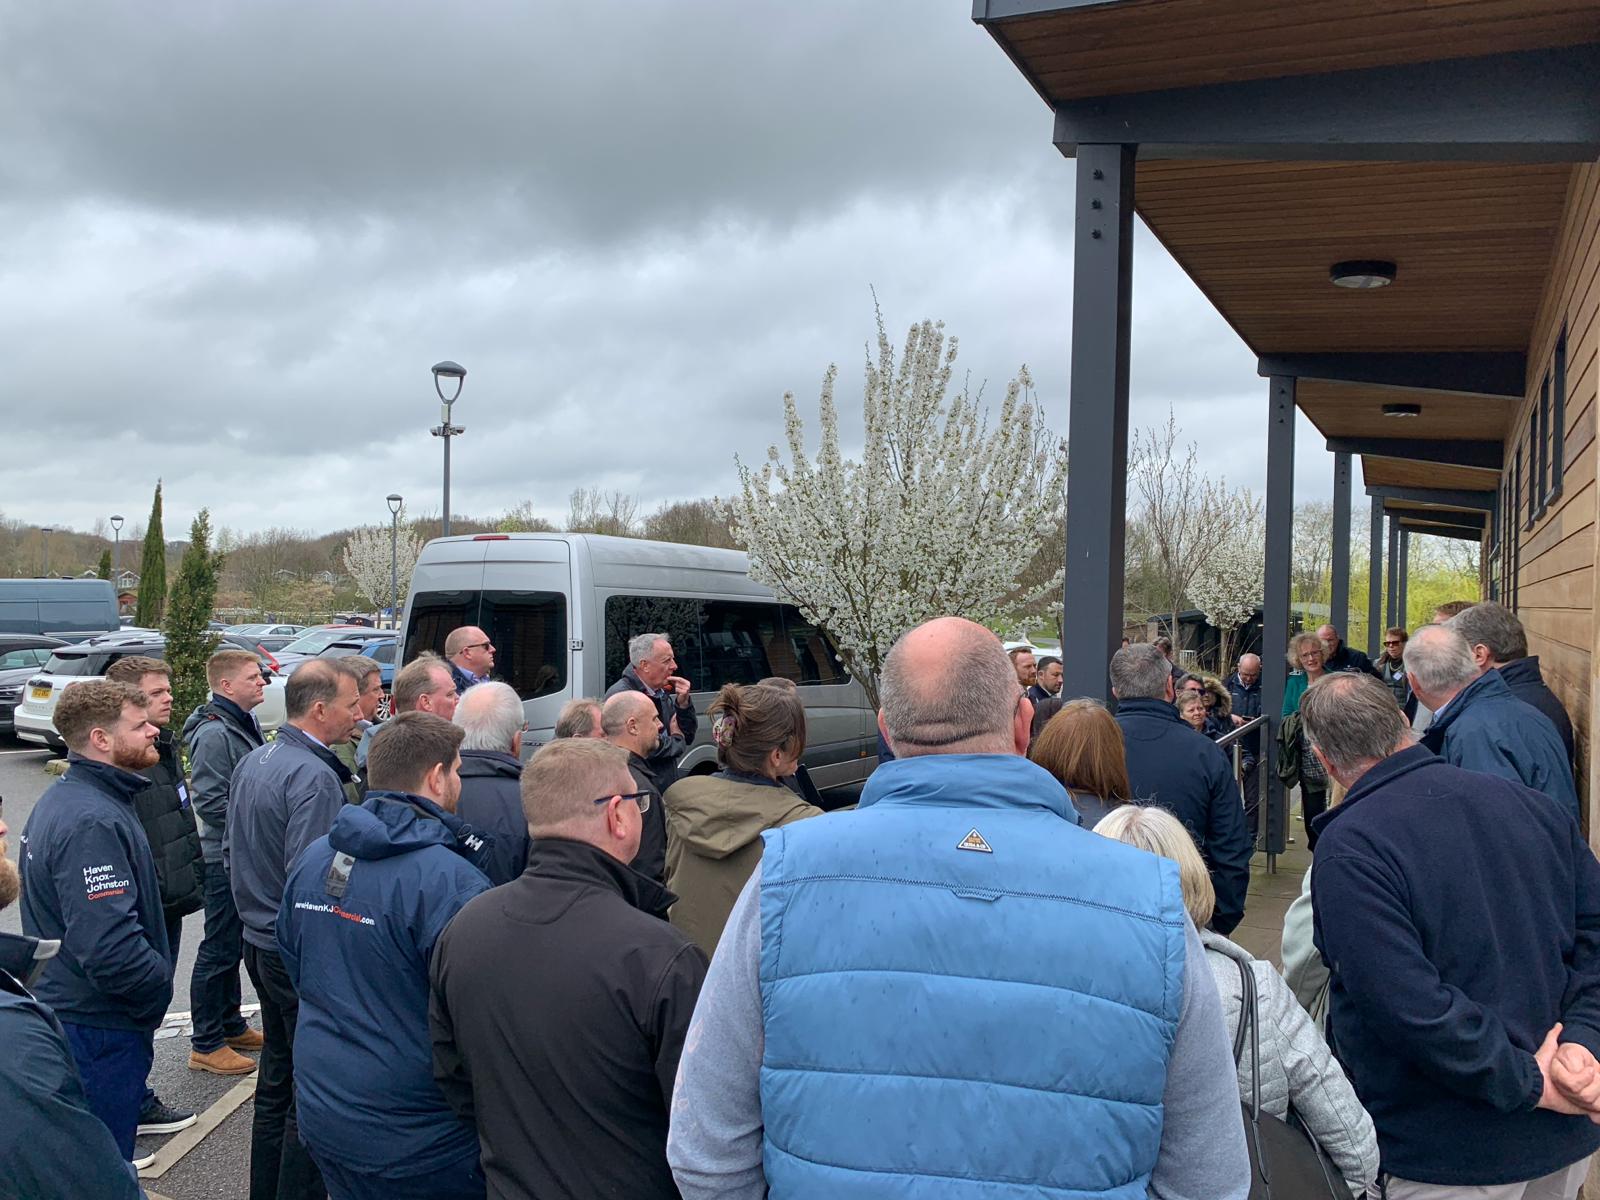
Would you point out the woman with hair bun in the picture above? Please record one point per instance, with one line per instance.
(715, 822)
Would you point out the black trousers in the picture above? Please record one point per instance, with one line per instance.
(1313, 800)
(280, 1166)
(214, 992)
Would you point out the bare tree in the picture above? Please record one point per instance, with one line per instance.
(691, 523)
(591, 510)
(259, 564)
(1311, 565)
(1186, 515)
(522, 519)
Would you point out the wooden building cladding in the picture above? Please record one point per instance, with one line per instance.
(1543, 561)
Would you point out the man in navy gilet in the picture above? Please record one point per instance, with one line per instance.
(955, 990)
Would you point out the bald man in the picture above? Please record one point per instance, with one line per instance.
(470, 654)
(962, 895)
(631, 720)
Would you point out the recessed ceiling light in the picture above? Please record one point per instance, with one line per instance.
(1402, 410)
(1361, 274)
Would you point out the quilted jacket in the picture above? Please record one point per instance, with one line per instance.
(1296, 1065)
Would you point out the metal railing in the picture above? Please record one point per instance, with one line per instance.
(1232, 743)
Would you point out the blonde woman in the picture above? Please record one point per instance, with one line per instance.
(1296, 1068)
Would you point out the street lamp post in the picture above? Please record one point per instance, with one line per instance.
(441, 372)
(44, 536)
(116, 549)
(394, 558)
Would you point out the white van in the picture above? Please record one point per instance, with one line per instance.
(560, 608)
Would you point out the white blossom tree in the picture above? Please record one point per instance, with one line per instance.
(1228, 583)
(367, 558)
(941, 515)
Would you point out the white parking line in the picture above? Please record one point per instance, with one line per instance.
(41, 750)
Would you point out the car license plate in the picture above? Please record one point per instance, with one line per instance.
(39, 693)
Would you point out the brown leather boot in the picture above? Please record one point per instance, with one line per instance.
(250, 1039)
(221, 1061)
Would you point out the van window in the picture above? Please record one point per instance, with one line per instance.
(723, 641)
(815, 659)
(529, 632)
(678, 618)
(528, 629)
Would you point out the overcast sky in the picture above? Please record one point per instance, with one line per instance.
(237, 235)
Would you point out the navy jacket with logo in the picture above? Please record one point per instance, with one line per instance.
(491, 802)
(285, 796)
(359, 962)
(89, 882)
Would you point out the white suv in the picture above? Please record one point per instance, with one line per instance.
(91, 660)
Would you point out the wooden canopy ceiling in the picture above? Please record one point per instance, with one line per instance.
(1471, 243)
(1123, 46)
(1400, 472)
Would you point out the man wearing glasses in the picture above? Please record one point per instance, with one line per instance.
(471, 656)
(559, 1004)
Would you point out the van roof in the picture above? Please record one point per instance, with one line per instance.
(32, 588)
(618, 551)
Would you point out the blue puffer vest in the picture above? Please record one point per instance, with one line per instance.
(965, 994)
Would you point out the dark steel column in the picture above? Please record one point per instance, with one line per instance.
(1405, 571)
(1375, 625)
(1339, 603)
(1275, 601)
(1097, 418)
(1394, 571)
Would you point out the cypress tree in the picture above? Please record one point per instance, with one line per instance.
(103, 571)
(194, 595)
(152, 570)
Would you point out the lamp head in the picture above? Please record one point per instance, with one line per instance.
(116, 521)
(448, 370)
(394, 503)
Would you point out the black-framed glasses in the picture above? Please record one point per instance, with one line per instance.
(642, 799)
(478, 646)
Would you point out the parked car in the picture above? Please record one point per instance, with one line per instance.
(21, 656)
(314, 641)
(269, 637)
(560, 609)
(72, 609)
(90, 660)
(382, 650)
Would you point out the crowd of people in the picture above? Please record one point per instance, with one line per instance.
(1005, 971)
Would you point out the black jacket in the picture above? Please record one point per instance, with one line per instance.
(664, 760)
(1527, 684)
(1185, 773)
(559, 1009)
(165, 811)
(1347, 658)
(52, 1146)
(1454, 946)
(1246, 699)
(491, 802)
(89, 882)
(651, 861)
(218, 734)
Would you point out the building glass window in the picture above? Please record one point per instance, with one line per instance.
(1557, 426)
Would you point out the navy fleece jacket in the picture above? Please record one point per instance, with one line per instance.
(1459, 914)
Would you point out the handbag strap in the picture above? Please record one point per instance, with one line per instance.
(1248, 1017)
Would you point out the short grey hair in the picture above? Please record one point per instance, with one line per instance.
(642, 646)
(1353, 719)
(361, 668)
(577, 718)
(1140, 672)
(928, 716)
(1494, 627)
(490, 715)
(1440, 658)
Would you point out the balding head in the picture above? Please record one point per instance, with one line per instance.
(1249, 667)
(470, 649)
(1329, 637)
(948, 688)
(1439, 664)
(490, 715)
(630, 720)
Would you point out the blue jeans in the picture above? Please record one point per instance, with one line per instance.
(214, 991)
(113, 1064)
(463, 1181)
